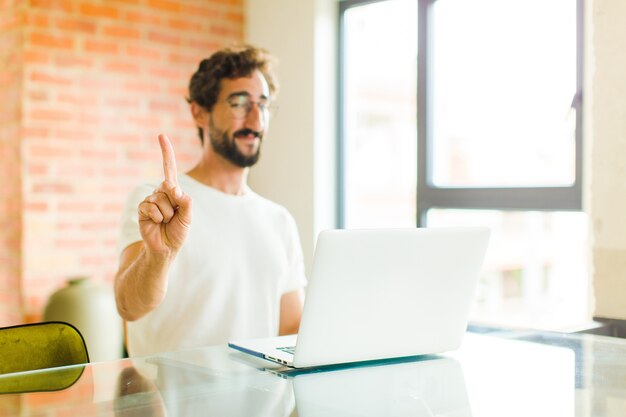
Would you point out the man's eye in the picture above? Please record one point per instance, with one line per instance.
(238, 105)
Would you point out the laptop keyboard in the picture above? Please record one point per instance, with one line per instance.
(288, 349)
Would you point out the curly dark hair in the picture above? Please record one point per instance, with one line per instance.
(233, 62)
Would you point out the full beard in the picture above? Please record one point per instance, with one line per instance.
(227, 148)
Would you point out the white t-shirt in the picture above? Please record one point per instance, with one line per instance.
(241, 255)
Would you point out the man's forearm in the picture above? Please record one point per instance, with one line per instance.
(141, 282)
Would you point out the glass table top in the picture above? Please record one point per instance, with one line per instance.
(512, 374)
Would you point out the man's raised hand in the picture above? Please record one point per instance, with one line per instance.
(165, 215)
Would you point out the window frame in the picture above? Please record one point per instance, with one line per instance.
(429, 196)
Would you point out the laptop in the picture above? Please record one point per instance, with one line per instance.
(376, 294)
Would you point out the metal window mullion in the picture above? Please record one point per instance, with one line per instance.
(424, 121)
(545, 198)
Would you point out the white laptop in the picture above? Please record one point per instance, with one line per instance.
(382, 293)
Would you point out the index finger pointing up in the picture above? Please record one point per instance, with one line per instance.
(169, 160)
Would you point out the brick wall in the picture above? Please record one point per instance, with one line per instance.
(11, 68)
(100, 80)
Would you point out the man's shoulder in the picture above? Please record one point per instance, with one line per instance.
(270, 207)
(261, 200)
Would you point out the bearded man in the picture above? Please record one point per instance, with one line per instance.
(204, 259)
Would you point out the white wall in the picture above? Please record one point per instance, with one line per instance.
(297, 162)
(605, 148)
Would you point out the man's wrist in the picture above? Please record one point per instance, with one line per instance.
(159, 258)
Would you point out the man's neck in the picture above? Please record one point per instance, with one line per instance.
(218, 173)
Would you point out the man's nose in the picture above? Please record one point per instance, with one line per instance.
(256, 118)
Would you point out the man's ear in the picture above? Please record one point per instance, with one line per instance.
(199, 113)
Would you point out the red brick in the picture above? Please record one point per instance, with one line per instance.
(46, 151)
(10, 22)
(98, 225)
(101, 47)
(56, 188)
(167, 73)
(234, 17)
(206, 46)
(113, 207)
(93, 10)
(121, 66)
(91, 84)
(8, 169)
(51, 41)
(36, 207)
(225, 31)
(73, 135)
(160, 37)
(37, 20)
(74, 243)
(131, 2)
(64, 5)
(74, 61)
(76, 25)
(90, 119)
(122, 138)
(8, 79)
(178, 91)
(9, 152)
(122, 102)
(190, 60)
(206, 12)
(38, 169)
(167, 6)
(50, 79)
(102, 155)
(74, 171)
(165, 106)
(142, 86)
(77, 99)
(143, 18)
(38, 96)
(143, 52)
(66, 226)
(36, 57)
(148, 122)
(47, 115)
(116, 189)
(121, 32)
(99, 261)
(128, 172)
(149, 156)
(76, 207)
(186, 25)
(37, 132)
(9, 115)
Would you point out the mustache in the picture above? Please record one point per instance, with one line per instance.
(246, 132)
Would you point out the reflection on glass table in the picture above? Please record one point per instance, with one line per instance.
(511, 373)
(432, 386)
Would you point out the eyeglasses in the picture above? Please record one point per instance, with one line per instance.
(241, 105)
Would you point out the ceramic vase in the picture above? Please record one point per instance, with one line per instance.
(90, 307)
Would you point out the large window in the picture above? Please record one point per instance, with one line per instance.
(469, 113)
